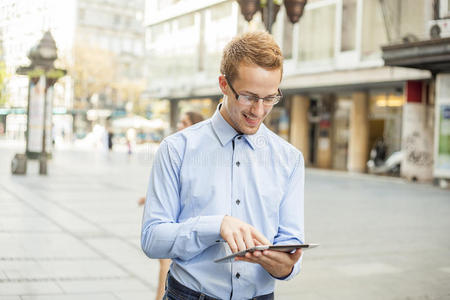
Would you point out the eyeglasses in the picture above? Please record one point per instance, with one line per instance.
(249, 100)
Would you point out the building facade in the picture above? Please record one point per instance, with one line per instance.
(340, 97)
(93, 38)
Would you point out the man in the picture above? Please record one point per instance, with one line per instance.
(229, 183)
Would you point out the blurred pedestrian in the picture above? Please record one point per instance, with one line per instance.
(110, 140)
(188, 119)
(210, 192)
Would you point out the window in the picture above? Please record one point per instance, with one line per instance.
(186, 21)
(116, 19)
(391, 21)
(316, 41)
(373, 29)
(348, 25)
(288, 28)
(221, 11)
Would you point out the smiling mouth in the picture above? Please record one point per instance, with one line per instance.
(252, 121)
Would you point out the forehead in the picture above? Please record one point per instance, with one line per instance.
(257, 79)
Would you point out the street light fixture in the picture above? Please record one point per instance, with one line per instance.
(269, 10)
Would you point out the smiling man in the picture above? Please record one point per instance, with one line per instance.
(228, 184)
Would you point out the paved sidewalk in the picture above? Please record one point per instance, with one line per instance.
(74, 234)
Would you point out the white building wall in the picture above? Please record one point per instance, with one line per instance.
(334, 41)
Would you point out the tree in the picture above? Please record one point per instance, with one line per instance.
(93, 70)
(98, 72)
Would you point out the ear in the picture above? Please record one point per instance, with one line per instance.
(223, 84)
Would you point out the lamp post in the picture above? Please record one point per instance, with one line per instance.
(43, 75)
(269, 10)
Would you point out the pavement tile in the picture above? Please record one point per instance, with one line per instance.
(109, 285)
(99, 296)
(82, 269)
(23, 269)
(28, 288)
(27, 224)
(15, 208)
(136, 295)
(118, 250)
(366, 269)
(148, 271)
(43, 245)
(125, 230)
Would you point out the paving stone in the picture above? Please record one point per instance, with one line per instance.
(114, 285)
(102, 296)
(29, 288)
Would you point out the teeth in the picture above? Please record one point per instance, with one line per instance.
(248, 117)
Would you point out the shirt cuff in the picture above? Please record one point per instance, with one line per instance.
(208, 228)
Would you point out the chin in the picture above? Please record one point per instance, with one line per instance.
(249, 130)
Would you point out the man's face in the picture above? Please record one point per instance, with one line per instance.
(251, 80)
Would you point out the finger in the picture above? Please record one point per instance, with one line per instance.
(239, 241)
(231, 242)
(248, 239)
(277, 256)
(259, 237)
(296, 255)
(257, 243)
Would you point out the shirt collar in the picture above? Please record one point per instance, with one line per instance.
(225, 132)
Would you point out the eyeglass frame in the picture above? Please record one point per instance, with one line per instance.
(279, 96)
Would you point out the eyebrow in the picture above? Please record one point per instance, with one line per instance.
(253, 94)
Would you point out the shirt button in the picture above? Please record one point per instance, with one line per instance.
(238, 275)
(238, 163)
(239, 137)
(238, 201)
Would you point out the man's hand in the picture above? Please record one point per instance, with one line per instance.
(278, 264)
(240, 235)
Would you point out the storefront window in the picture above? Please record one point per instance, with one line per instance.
(385, 118)
(316, 41)
(348, 25)
(341, 133)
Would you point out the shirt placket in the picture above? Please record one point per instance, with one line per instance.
(236, 203)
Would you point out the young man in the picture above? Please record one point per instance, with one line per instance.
(229, 183)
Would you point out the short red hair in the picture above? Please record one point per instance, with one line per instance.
(257, 47)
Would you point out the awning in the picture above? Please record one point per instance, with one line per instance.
(432, 55)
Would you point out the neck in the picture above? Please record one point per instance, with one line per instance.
(226, 116)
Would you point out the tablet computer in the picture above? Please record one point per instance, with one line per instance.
(283, 248)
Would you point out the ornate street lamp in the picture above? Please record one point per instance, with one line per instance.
(43, 75)
(269, 10)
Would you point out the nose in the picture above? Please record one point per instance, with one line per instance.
(257, 108)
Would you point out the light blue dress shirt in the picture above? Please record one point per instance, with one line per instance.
(205, 172)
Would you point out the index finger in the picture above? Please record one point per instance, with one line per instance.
(259, 237)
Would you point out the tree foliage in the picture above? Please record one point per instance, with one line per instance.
(98, 71)
(93, 70)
